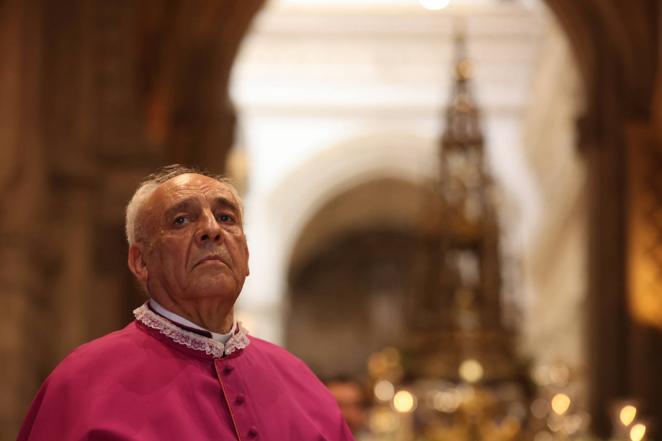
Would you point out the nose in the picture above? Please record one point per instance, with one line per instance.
(209, 231)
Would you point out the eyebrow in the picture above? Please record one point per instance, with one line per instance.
(183, 205)
(192, 202)
(228, 203)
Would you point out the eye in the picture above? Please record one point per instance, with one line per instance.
(225, 218)
(180, 220)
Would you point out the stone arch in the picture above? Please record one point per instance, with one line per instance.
(294, 201)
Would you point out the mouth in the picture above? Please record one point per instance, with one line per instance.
(211, 259)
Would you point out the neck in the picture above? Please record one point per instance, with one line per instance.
(211, 314)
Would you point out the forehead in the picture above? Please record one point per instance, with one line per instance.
(191, 185)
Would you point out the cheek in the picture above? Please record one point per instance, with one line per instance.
(172, 256)
(240, 253)
(239, 245)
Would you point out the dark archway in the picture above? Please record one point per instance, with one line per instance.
(351, 273)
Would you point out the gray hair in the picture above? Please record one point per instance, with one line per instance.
(133, 226)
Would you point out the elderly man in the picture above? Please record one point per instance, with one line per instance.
(184, 369)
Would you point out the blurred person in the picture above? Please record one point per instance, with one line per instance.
(184, 369)
(353, 402)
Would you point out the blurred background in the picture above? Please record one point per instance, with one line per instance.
(453, 207)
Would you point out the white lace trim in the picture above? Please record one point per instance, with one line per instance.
(190, 339)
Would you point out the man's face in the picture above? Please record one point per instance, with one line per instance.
(195, 246)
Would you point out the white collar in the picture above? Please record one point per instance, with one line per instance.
(178, 319)
(190, 339)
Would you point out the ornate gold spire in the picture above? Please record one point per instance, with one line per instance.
(462, 296)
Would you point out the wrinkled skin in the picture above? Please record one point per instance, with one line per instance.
(193, 259)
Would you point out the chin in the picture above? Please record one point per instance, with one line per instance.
(211, 290)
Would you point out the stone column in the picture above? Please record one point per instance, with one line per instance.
(645, 268)
(21, 209)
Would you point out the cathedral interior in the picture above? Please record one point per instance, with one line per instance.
(457, 203)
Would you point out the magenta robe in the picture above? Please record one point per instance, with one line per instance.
(138, 384)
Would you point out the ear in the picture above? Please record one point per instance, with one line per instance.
(137, 264)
